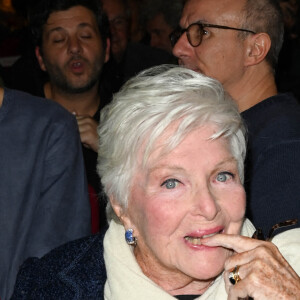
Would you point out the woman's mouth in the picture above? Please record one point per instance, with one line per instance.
(196, 240)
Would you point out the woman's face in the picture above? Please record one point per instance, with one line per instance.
(192, 192)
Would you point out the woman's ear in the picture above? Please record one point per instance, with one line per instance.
(258, 47)
(120, 212)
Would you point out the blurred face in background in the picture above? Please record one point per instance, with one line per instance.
(159, 31)
(119, 27)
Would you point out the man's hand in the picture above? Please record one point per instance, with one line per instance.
(88, 131)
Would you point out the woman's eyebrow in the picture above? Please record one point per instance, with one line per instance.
(228, 161)
(166, 167)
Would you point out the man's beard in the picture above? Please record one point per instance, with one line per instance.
(60, 80)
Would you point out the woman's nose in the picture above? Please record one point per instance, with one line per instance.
(205, 204)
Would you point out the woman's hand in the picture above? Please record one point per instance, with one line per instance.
(263, 271)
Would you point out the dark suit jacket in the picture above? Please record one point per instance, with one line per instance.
(75, 270)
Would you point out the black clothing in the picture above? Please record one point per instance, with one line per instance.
(273, 161)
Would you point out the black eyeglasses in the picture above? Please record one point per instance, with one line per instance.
(195, 32)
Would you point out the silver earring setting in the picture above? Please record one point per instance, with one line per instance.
(130, 239)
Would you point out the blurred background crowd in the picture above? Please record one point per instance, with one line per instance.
(137, 27)
(139, 23)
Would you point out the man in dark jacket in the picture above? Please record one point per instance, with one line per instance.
(43, 191)
(238, 43)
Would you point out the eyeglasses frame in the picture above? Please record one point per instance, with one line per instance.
(203, 25)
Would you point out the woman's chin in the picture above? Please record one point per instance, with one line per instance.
(206, 272)
(205, 264)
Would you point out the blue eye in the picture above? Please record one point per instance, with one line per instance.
(224, 176)
(170, 183)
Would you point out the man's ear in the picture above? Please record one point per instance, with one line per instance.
(40, 58)
(121, 213)
(107, 50)
(258, 47)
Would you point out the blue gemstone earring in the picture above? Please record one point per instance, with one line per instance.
(130, 239)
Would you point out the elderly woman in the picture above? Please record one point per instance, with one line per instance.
(171, 157)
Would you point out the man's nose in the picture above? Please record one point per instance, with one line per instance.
(74, 45)
(181, 47)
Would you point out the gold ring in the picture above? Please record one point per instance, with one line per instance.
(234, 276)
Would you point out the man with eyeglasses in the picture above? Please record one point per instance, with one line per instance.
(238, 42)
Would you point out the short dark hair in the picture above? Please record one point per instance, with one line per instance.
(266, 16)
(40, 11)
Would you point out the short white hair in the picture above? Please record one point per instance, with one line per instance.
(143, 109)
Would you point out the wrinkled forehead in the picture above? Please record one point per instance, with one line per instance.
(220, 12)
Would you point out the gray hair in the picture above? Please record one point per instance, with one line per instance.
(145, 107)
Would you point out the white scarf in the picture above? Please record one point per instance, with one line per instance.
(125, 279)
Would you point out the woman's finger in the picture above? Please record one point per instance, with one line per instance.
(235, 242)
(266, 252)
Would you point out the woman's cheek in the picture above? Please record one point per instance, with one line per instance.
(234, 201)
